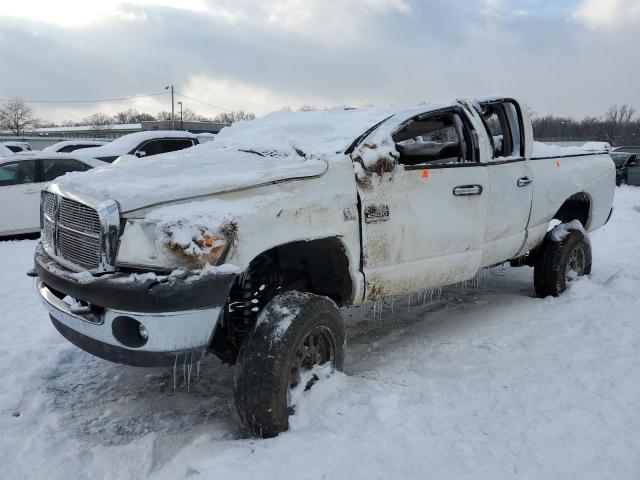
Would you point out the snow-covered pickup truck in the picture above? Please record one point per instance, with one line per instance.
(247, 247)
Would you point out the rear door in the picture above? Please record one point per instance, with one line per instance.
(424, 221)
(510, 191)
(53, 168)
(19, 197)
(633, 170)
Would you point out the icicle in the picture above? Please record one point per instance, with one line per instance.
(175, 368)
(189, 368)
(184, 369)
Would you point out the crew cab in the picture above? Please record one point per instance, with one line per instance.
(246, 247)
(143, 144)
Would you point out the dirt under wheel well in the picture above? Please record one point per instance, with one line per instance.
(323, 263)
(320, 267)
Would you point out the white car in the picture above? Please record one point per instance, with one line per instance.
(67, 146)
(21, 180)
(18, 147)
(143, 144)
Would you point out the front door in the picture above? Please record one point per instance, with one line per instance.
(423, 223)
(19, 197)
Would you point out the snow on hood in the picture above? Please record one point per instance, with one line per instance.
(279, 146)
(201, 170)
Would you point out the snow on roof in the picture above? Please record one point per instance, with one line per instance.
(82, 128)
(57, 146)
(5, 152)
(319, 132)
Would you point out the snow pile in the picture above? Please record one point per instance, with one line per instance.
(541, 150)
(491, 383)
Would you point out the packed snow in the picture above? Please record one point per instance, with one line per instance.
(483, 381)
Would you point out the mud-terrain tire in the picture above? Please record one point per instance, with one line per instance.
(564, 255)
(294, 332)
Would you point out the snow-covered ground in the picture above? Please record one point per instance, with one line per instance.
(485, 382)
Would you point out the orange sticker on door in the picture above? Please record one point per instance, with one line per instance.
(425, 174)
(557, 163)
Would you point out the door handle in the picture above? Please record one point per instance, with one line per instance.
(467, 190)
(524, 181)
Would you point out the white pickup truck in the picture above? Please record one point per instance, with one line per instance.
(248, 246)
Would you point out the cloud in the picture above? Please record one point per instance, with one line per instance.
(608, 13)
(261, 56)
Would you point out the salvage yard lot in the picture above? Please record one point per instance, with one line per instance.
(483, 382)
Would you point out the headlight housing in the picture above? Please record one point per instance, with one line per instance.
(169, 246)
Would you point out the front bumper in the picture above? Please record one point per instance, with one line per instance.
(178, 315)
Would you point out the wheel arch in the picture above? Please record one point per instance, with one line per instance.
(576, 207)
(324, 260)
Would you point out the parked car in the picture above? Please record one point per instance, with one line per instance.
(17, 147)
(5, 152)
(627, 149)
(627, 167)
(67, 146)
(597, 146)
(143, 144)
(251, 243)
(21, 180)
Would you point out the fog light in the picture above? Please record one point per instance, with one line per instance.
(129, 332)
(143, 332)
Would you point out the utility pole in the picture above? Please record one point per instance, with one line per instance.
(181, 125)
(173, 116)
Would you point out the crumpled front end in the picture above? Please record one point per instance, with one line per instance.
(135, 319)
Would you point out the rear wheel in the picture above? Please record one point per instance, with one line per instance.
(563, 257)
(295, 335)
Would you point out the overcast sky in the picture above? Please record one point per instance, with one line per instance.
(566, 57)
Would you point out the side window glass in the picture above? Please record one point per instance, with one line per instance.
(17, 173)
(173, 145)
(435, 139)
(502, 122)
(54, 168)
(153, 147)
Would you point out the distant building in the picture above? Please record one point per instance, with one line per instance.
(118, 130)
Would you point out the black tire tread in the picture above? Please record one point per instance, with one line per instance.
(548, 277)
(261, 371)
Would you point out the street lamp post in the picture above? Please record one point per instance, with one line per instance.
(173, 117)
(181, 124)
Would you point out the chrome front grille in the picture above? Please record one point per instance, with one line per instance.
(73, 232)
(48, 227)
(78, 248)
(78, 217)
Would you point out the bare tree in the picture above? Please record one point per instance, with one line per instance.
(132, 116)
(231, 117)
(99, 122)
(308, 108)
(17, 115)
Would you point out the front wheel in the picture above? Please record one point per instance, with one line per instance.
(565, 255)
(294, 334)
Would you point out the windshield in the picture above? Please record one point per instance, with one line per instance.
(619, 158)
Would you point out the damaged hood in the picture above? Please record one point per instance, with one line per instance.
(196, 172)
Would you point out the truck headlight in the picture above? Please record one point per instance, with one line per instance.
(167, 247)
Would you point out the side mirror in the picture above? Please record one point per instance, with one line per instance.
(140, 153)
